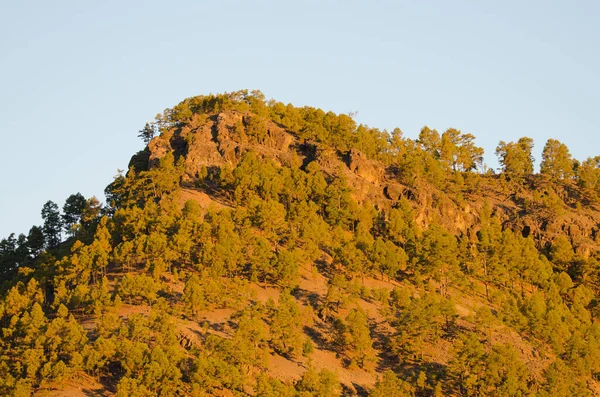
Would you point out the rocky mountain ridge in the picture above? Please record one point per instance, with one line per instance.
(209, 143)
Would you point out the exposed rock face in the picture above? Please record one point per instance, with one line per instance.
(218, 141)
(393, 191)
(202, 149)
(361, 166)
(227, 140)
(278, 138)
(221, 140)
(159, 147)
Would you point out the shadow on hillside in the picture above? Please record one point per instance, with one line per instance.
(357, 391)
(307, 297)
(409, 371)
(317, 338)
(386, 357)
(360, 390)
(324, 268)
(96, 392)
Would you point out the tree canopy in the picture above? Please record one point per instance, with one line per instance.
(258, 248)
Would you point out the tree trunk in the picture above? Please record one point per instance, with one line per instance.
(485, 273)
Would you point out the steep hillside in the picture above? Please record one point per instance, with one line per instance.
(257, 248)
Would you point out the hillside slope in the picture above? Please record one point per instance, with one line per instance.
(256, 248)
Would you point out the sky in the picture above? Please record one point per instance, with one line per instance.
(79, 79)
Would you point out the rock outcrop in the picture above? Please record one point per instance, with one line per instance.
(221, 140)
(364, 168)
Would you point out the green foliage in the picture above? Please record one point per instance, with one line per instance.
(557, 163)
(561, 253)
(251, 339)
(418, 322)
(34, 348)
(285, 326)
(138, 286)
(516, 158)
(193, 296)
(459, 152)
(438, 255)
(147, 133)
(389, 385)
(561, 382)
(323, 383)
(307, 347)
(588, 174)
(72, 211)
(282, 221)
(136, 189)
(52, 224)
(35, 240)
(358, 344)
(269, 387)
(388, 258)
(494, 372)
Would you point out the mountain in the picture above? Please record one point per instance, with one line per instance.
(257, 248)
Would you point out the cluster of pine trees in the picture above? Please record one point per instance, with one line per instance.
(284, 220)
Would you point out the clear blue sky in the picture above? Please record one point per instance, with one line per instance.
(78, 79)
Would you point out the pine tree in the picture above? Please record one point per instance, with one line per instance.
(72, 212)
(35, 240)
(285, 322)
(438, 256)
(389, 385)
(359, 345)
(324, 383)
(147, 133)
(557, 163)
(52, 224)
(516, 158)
(193, 296)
